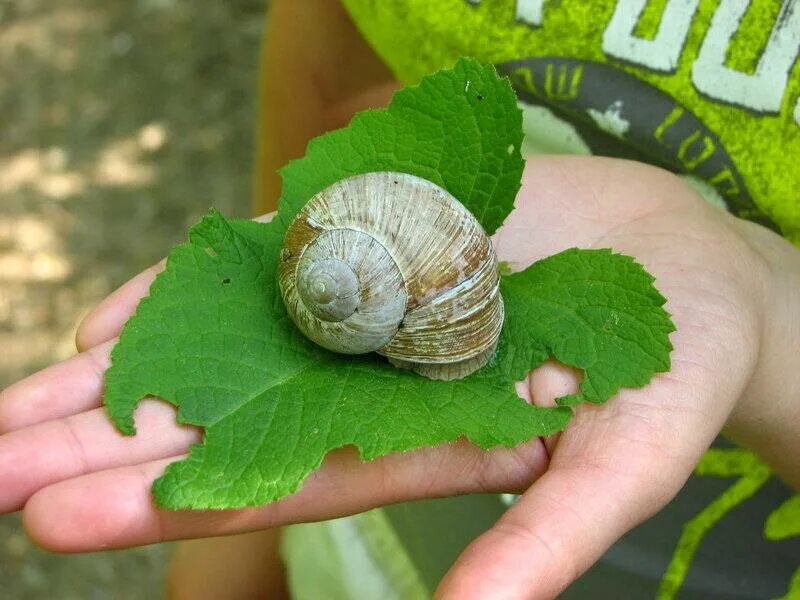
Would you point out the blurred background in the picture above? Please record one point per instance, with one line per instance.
(121, 123)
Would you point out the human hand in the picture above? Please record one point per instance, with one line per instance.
(85, 487)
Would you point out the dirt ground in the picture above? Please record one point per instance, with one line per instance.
(121, 122)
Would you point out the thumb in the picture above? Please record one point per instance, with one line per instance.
(557, 530)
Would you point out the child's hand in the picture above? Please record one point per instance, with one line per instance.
(733, 290)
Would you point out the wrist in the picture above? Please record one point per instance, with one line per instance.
(767, 417)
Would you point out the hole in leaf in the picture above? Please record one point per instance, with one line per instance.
(551, 380)
(504, 268)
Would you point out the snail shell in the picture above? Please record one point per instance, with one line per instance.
(392, 263)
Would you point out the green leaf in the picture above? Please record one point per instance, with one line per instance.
(591, 309)
(214, 339)
(460, 129)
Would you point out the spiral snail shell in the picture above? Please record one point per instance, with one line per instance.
(392, 263)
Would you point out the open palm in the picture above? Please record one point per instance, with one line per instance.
(84, 487)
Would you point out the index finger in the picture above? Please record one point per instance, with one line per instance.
(106, 320)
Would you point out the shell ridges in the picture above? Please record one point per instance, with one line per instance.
(428, 282)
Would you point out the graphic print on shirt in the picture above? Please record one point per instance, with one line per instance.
(663, 131)
(761, 91)
(618, 115)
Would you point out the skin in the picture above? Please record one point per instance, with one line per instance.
(316, 72)
(228, 567)
(733, 289)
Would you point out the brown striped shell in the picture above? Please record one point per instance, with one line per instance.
(392, 263)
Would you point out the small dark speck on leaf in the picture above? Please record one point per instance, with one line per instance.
(226, 280)
(480, 97)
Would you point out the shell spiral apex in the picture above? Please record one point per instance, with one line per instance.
(392, 263)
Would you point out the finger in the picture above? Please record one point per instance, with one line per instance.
(547, 382)
(543, 543)
(75, 385)
(115, 509)
(604, 479)
(552, 380)
(38, 456)
(67, 388)
(106, 320)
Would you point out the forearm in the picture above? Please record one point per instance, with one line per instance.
(316, 71)
(232, 567)
(767, 419)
